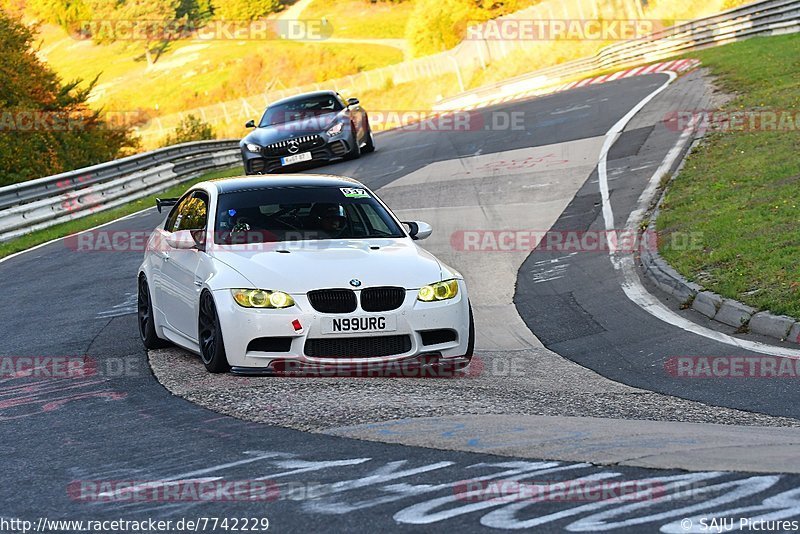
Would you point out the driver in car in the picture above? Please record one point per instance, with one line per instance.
(329, 218)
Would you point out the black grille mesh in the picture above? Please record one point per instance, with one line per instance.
(270, 344)
(376, 299)
(332, 300)
(434, 337)
(358, 347)
(304, 144)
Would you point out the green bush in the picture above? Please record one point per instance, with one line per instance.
(66, 13)
(437, 25)
(46, 127)
(245, 9)
(190, 129)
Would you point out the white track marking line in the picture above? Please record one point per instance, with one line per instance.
(611, 137)
(631, 285)
(40, 245)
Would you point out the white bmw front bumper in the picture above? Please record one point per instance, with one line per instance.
(268, 340)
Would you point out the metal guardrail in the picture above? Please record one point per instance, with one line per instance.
(31, 190)
(768, 17)
(44, 202)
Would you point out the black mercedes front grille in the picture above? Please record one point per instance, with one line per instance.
(333, 300)
(257, 165)
(339, 148)
(377, 299)
(303, 143)
(358, 347)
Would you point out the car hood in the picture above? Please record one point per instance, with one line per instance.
(309, 265)
(280, 132)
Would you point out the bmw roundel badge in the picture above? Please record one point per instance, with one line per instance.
(355, 282)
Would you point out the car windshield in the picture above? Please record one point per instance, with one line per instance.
(300, 109)
(301, 214)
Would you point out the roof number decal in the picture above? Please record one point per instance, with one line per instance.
(353, 192)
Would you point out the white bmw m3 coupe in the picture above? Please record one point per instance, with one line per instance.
(299, 272)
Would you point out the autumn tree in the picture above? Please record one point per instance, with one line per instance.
(46, 126)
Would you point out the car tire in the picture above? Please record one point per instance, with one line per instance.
(471, 340)
(355, 152)
(146, 320)
(209, 336)
(369, 146)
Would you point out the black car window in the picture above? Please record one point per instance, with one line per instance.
(300, 109)
(301, 214)
(193, 213)
(172, 218)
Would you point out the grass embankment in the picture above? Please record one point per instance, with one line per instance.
(68, 228)
(195, 73)
(740, 190)
(360, 19)
(542, 54)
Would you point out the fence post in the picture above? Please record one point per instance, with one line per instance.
(458, 74)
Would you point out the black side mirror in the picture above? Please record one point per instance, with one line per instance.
(250, 124)
(163, 202)
(352, 101)
(418, 230)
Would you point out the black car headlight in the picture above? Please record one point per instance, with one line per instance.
(335, 130)
(252, 147)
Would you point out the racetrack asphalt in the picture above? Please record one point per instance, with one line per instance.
(122, 425)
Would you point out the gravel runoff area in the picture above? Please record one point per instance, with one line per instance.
(529, 382)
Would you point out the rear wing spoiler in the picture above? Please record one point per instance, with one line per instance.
(161, 202)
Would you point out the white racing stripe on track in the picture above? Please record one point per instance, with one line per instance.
(40, 245)
(631, 284)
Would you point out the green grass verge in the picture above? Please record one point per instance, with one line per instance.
(740, 190)
(64, 229)
(193, 74)
(362, 18)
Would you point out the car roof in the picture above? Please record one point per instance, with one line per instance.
(302, 97)
(249, 183)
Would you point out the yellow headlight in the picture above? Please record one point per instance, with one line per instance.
(438, 291)
(260, 298)
(279, 299)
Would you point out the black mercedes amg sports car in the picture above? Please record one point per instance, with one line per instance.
(306, 129)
